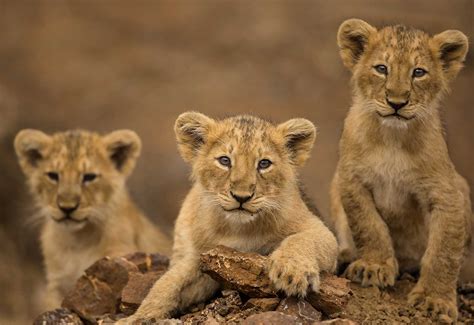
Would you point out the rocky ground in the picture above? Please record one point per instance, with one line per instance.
(113, 288)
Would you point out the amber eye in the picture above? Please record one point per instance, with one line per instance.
(53, 176)
(88, 177)
(264, 164)
(382, 69)
(419, 72)
(224, 161)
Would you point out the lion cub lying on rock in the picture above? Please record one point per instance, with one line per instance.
(77, 179)
(245, 196)
(396, 194)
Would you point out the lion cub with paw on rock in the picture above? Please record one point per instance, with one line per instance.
(77, 179)
(245, 196)
(396, 194)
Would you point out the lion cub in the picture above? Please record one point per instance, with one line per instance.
(77, 180)
(396, 194)
(245, 196)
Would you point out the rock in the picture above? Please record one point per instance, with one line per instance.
(270, 318)
(58, 316)
(334, 294)
(262, 304)
(91, 298)
(244, 272)
(136, 290)
(99, 291)
(336, 321)
(148, 262)
(112, 271)
(299, 308)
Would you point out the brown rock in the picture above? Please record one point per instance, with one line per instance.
(91, 298)
(262, 304)
(148, 262)
(299, 308)
(271, 318)
(58, 316)
(136, 290)
(244, 272)
(336, 321)
(98, 291)
(334, 294)
(112, 271)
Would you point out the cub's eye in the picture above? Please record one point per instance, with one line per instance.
(419, 72)
(224, 161)
(382, 69)
(264, 164)
(88, 177)
(53, 176)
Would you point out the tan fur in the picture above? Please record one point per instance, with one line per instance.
(396, 194)
(275, 221)
(103, 220)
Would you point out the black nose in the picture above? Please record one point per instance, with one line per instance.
(241, 199)
(397, 106)
(68, 209)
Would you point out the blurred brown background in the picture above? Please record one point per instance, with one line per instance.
(103, 65)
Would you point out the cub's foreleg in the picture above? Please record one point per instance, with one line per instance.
(296, 263)
(436, 289)
(376, 264)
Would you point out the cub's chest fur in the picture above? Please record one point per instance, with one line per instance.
(389, 177)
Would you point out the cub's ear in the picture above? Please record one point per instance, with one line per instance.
(299, 135)
(123, 148)
(451, 47)
(31, 147)
(352, 38)
(192, 130)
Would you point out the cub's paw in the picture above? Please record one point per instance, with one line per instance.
(439, 308)
(292, 275)
(373, 274)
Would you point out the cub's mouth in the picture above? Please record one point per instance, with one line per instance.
(69, 220)
(395, 116)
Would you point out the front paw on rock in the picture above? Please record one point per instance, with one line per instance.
(373, 274)
(438, 308)
(291, 277)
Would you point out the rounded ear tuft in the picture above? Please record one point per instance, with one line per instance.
(352, 37)
(31, 147)
(123, 148)
(191, 129)
(451, 47)
(299, 135)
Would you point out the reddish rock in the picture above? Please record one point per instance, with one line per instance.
(262, 304)
(148, 262)
(336, 321)
(299, 308)
(60, 316)
(91, 298)
(271, 318)
(137, 289)
(333, 296)
(244, 272)
(98, 291)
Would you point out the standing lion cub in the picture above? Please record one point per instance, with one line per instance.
(396, 194)
(245, 196)
(77, 179)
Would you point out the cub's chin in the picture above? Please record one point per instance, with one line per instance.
(240, 216)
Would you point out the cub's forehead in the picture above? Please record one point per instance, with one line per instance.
(75, 147)
(245, 132)
(401, 41)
